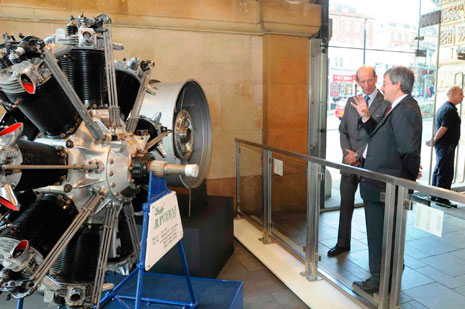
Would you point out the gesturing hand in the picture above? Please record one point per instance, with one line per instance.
(361, 107)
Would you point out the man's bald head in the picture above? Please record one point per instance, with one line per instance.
(365, 69)
(455, 95)
(366, 79)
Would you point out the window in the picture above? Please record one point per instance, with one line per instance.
(347, 27)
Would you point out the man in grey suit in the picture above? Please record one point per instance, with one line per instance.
(353, 142)
(394, 149)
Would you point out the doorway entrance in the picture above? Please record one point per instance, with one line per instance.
(424, 36)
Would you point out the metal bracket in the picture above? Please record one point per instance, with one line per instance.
(108, 227)
(408, 204)
(310, 277)
(115, 119)
(156, 140)
(382, 197)
(266, 240)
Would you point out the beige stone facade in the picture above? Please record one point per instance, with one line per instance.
(452, 41)
(251, 58)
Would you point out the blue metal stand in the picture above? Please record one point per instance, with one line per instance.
(157, 190)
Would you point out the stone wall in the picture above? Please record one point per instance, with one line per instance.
(251, 58)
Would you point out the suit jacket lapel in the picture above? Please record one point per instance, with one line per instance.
(376, 102)
(387, 116)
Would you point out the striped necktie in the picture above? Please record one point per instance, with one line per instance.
(388, 110)
(367, 99)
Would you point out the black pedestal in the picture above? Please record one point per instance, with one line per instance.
(208, 240)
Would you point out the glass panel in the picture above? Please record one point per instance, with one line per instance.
(342, 65)
(425, 84)
(434, 274)
(251, 182)
(289, 200)
(374, 33)
(451, 70)
(379, 34)
(353, 265)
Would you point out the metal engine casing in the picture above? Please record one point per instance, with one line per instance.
(79, 146)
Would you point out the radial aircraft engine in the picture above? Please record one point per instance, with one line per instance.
(80, 138)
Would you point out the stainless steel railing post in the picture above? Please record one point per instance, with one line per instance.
(389, 219)
(267, 170)
(403, 204)
(313, 214)
(238, 178)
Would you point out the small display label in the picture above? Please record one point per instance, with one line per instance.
(278, 167)
(164, 230)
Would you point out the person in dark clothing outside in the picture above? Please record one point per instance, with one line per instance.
(445, 140)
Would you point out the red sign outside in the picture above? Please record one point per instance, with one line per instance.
(343, 78)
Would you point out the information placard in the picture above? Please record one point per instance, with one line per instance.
(429, 220)
(164, 230)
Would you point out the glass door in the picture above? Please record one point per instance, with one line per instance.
(374, 33)
(427, 91)
(451, 72)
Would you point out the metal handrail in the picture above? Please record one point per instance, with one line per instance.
(397, 203)
(409, 184)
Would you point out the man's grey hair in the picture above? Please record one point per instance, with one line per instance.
(402, 75)
(452, 90)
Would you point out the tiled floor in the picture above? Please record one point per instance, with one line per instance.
(261, 288)
(434, 276)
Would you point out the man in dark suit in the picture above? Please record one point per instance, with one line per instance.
(446, 138)
(353, 142)
(394, 149)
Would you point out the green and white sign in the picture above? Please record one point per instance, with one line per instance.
(164, 230)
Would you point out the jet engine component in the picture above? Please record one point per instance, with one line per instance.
(79, 139)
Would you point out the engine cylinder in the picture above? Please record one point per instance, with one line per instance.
(127, 88)
(48, 109)
(42, 223)
(4, 61)
(40, 154)
(85, 70)
(78, 261)
(14, 116)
